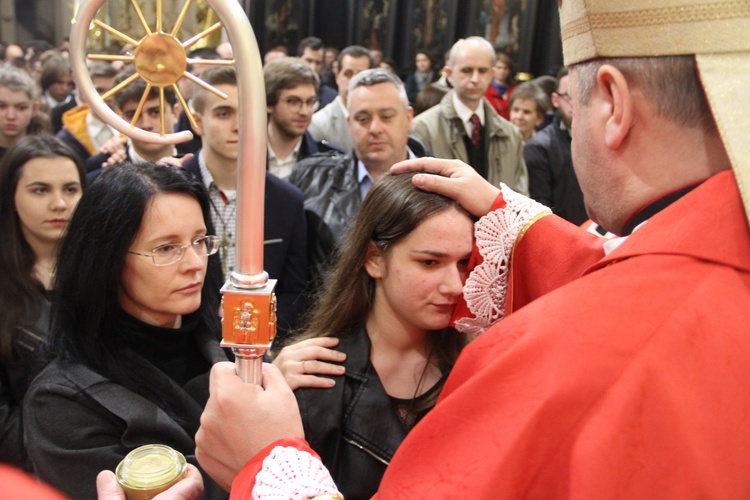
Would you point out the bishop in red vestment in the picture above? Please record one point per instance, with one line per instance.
(611, 369)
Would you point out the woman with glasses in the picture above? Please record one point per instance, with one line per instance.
(135, 332)
(41, 181)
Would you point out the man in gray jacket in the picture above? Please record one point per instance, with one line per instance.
(466, 127)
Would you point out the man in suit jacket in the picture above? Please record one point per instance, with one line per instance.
(285, 232)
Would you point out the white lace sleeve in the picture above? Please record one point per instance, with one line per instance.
(496, 234)
(292, 474)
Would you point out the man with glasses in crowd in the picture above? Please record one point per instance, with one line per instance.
(291, 94)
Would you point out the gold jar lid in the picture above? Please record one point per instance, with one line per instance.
(149, 470)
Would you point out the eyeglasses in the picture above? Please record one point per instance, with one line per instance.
(296, 103)
(170, 253)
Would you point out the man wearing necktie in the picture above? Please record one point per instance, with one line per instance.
(465, 126)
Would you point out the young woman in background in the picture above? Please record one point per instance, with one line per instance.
(41, 181)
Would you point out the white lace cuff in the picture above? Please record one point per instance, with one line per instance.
(496, 234)
(292, 474)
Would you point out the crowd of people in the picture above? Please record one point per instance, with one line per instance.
(527, 289)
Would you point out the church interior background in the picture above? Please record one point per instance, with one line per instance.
(528, 30)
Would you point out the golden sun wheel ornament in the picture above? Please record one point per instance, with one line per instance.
(161, 61)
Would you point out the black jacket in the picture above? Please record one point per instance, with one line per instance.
(352, 426)
(193, 145)
(56, 113)
(552, 180)
(14, 381)
(329, 184)
(78, 422)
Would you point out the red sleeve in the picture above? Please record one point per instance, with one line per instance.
(17, 484)
(550, 254)
(243, 484)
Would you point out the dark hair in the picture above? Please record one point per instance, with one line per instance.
(21, 294)
(217, 75)
(355, 52)
(133, 92)
(505, 59)
(102, 69)
(426, 53)
(311, 42)
(19, 63)
(392, 67)
(547, 83)
(201, 54)
(287, 73)
(52, 68)
(37, 46)
(391, 210)
(39, 124)
(428, 97)
(204, 53)
(90, 264)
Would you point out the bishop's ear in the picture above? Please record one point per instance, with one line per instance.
(618, 98)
